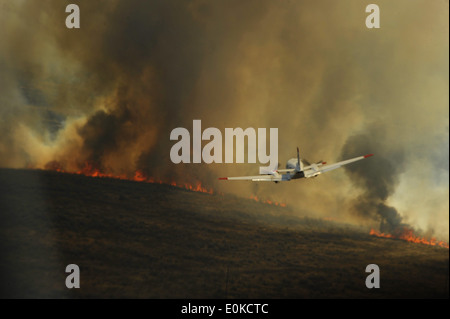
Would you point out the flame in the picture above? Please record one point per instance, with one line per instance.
(139, 176)
(268, 202)
(408, 235)
(89, 170)
(197, 188)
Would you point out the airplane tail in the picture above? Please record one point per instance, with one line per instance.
(299, 163)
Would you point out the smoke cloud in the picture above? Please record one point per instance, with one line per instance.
(380, 181)
(108, 95)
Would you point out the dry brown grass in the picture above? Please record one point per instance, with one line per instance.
(138, 240)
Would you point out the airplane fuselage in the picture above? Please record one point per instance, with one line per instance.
(305, 169)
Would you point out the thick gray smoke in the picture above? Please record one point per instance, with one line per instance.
(379, 181)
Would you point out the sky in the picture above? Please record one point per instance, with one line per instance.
(110, 93)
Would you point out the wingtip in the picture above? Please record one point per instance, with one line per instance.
(223, 178)
(368, 155)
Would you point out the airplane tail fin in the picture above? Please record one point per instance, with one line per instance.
(299, 163)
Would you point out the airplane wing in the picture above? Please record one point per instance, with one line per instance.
(330, 167)
(288, 170)
(259, 178)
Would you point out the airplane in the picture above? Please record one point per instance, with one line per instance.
(295, 168)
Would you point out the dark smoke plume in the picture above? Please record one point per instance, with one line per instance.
(377, 180)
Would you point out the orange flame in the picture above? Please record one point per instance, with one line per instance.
(408, 235)
(267, 201)
(139, 176)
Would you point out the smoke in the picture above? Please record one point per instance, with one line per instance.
(379, 181)
(108, 95)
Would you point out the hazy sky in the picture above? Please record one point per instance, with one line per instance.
(111, 92)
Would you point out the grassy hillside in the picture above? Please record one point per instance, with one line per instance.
(139, 240)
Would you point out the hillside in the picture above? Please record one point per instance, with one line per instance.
(140, 240)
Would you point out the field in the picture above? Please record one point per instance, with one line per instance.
(140, 240)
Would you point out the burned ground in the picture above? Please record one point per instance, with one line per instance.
(141, 240)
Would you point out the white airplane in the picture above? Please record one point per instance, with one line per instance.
(295, 168)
